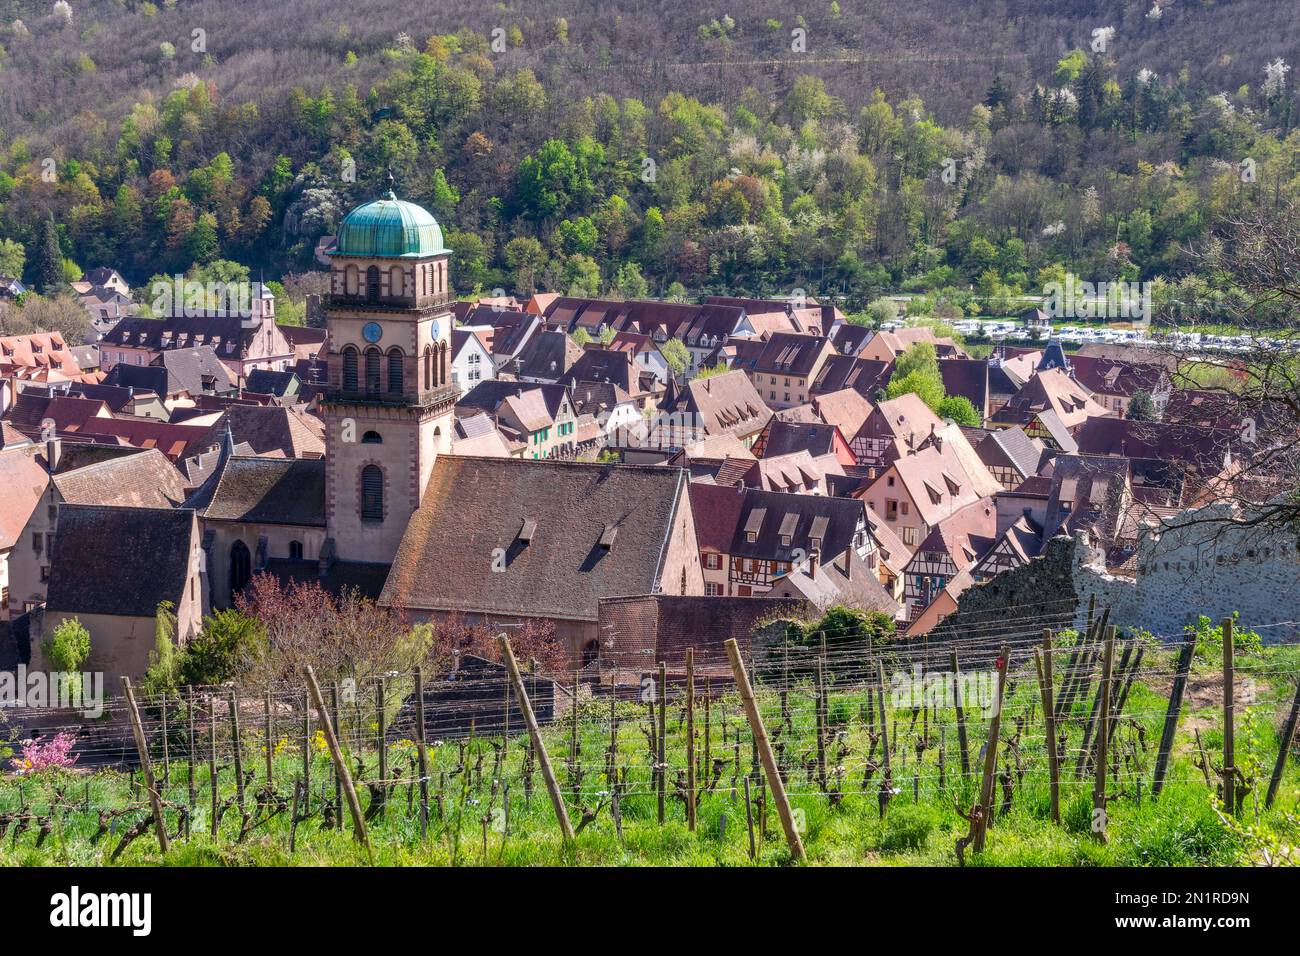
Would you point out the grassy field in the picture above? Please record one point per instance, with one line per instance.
(487, 807)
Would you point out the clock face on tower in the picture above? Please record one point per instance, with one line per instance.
(372, 332)
(435, 329)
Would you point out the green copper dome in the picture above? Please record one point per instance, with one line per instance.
(389, 227)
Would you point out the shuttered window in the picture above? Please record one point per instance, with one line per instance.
(372, 493)
(349, 369)
(395, 372)
(372, 371)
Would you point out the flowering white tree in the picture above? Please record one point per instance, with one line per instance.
(62, 12)
(1275, 77)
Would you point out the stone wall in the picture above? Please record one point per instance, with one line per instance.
(1202, 564)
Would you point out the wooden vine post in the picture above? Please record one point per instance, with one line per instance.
(534, 735)
(774, 782)
(1182, 670)
(142, 746)
(985, 809)
(422, 755)
(340, 765)
(1229, 715)
(962, 744)
(1043, 663)
(1288, 735)
(690, 738)
(1103, 739)
(661, 756)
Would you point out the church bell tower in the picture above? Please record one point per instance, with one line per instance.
(388, 405)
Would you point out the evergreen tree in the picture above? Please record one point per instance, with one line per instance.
(49, 259)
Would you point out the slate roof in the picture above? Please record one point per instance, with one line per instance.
(1013, 447)
(1113, 377)
(119, 561)
(1094, 488)
(285, 491)
(473, 506)
(834, 520)
(226, 333)
(269, 382)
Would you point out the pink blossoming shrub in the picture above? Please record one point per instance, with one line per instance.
(54, 753)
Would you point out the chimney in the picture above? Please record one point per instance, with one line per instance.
(813, 560)
(848, 564)
(53, 452)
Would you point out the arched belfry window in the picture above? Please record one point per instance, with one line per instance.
(372, 371)
(372, 438)
(350, 361)
(372, 493)
(396, 371)
(428, 367)
(372, 283)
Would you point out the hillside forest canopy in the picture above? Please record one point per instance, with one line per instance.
(564, 149)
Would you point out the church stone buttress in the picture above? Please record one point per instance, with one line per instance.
(388, 405)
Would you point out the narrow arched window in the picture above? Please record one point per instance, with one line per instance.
(372, 283)
(396, 282)
(372, 493)
(372, 371)
(349, 369)
(295, 550)
(395, 371)
(442, 362)
(352, 280)
(428, 367)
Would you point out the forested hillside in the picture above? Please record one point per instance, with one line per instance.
(632, 148)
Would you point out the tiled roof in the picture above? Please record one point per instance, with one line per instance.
(604, 365)
(726, 403)
(271, 430)
(475, 508)
(119, 561)
(865, 376)
(968, 378)
(547, 355)
(289, 491)
(142, 480)
(791, 353)
(782, 437)
(847, 409)
(843, 580)
(1206, 449)
(23, 479)
(717, 510)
